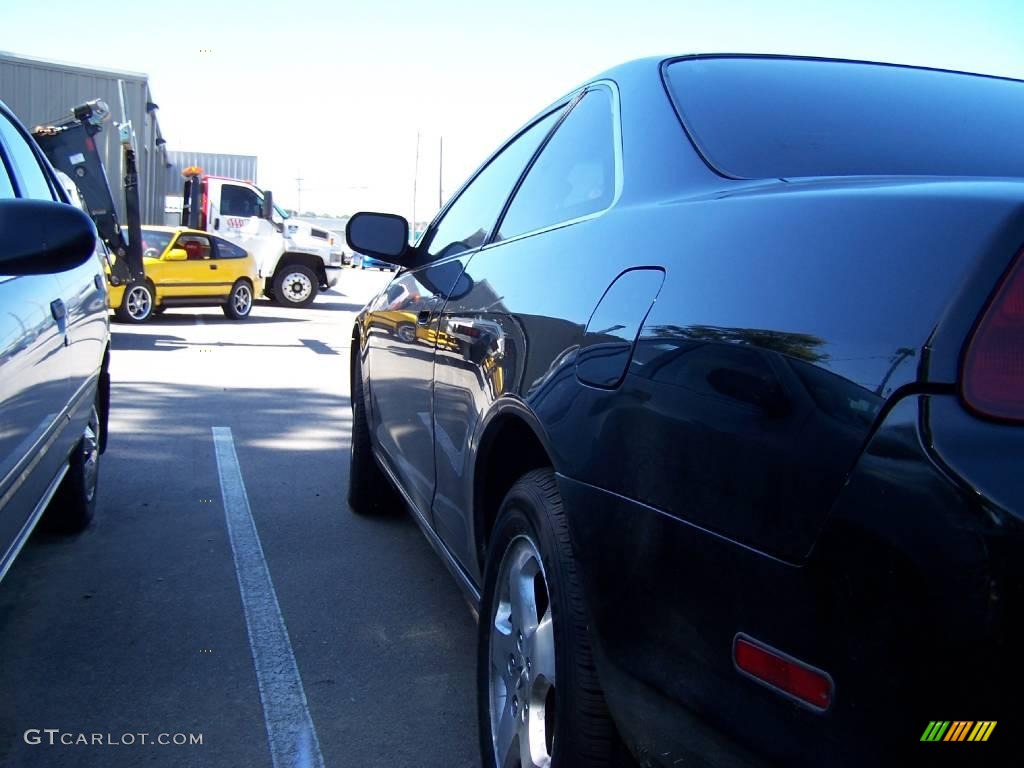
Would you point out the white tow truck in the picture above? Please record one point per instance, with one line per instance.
(296, 260)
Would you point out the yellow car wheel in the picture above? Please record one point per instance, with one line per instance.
(137, 304)
(239, 303)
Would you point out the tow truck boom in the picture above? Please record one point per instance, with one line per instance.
(71, 148)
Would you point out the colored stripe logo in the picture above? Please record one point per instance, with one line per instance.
(958, 730)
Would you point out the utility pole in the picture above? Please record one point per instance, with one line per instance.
(415, 175)
(298, 192)
(440, 173)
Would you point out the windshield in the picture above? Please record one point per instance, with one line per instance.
(154, 241)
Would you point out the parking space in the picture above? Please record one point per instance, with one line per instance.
(139, 625)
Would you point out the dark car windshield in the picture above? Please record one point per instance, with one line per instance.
(757, 117)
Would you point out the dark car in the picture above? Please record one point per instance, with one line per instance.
(733, 472)
(54, 349)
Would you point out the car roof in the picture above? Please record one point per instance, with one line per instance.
(647, 62)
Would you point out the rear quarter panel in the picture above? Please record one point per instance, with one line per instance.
(829, 291)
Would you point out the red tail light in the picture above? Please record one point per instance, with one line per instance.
(993, 369)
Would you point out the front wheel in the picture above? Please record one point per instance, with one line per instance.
(239, 303)
(137, 304)
(295, 286)
(406, 332)
(369, 490)
(74, 504)
(539, 700)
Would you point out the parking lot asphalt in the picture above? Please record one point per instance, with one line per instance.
(172, 613)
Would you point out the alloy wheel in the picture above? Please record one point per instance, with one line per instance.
(522, 661)
(241, 299)
(90, 447)
(139, 302)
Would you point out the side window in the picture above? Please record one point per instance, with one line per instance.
(28, 172)
(239, 201)
(574, 174)
(196, 246)
(468, 222)
(226, 250)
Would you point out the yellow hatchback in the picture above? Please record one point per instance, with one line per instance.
(187, 268)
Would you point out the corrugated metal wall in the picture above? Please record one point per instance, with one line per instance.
(44, 92)
(230, 166)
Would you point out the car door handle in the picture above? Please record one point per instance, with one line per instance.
(424, 316)
(60, 314)
(213, 266)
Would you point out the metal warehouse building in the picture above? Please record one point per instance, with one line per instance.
(44, 92)
(214, 164)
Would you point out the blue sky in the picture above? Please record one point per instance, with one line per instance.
(344, 87)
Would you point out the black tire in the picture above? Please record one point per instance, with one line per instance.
(581, 732)
(74, 505)
(239, 303)
(369, 490)
(295, 285)
(137, 304)
(406, 332)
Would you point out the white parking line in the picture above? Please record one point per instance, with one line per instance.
(290, 732)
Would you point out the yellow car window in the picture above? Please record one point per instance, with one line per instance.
(196, 246)
(154, 242)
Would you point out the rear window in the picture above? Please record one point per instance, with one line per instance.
(776, 118)
(226, 250)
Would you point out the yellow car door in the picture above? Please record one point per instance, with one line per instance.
(197, 274)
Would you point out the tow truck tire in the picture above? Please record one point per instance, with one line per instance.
(295, 285)
(137, 304)
(239, 303)
(74, 504)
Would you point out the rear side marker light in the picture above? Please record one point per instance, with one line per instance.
(992, 377)
(785, 675)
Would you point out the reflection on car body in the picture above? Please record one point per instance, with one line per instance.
(719, 428)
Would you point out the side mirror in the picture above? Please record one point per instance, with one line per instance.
(41, 236)
(268, 205)
(176, 254)
(384, 236)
